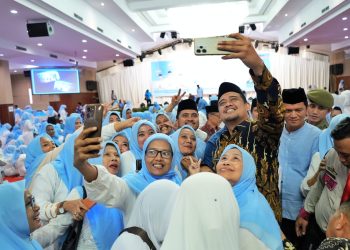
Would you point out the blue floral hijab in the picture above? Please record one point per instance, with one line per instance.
(34, 156)
(140, 180)
(178, 155)
(134, 146)
(256, 214)
(14, 227)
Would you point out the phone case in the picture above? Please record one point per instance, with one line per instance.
(88, 203)
(93, 118)
(208, 45)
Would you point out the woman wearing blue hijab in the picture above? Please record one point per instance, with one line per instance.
(18, 216)
(51, 186)
(73, 122)
(163, 122)
(157, 163)
(238, 167)
(111, 116)
(185, 146)
(35, 154)
(140, 131)
(101, 225)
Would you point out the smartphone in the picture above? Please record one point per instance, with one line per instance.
(93, 118)
(88, 203)
(138, 165)
(206, 46)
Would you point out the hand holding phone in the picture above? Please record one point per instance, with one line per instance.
(209, 45)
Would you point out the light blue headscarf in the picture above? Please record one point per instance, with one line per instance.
(134, 146)
(106, 119)
(55, 138)
(105, 223)
(9, 153)
(140, 180)
(178, 155)
(126, 108)
(14, 227)
(63, 164)
(34, 156)
(325, 142)
(69, 126)
(62, 108)
(256, 214)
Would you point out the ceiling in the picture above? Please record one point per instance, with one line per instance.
(121, 29)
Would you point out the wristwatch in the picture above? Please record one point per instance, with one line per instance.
(60, 208)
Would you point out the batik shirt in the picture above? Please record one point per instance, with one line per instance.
(260, 138)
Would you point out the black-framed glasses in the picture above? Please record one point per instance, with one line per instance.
(163, 153)
(31, 202)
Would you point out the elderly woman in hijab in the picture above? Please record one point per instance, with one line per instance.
(101, 225)
(50, 129)
(157, 163)
(164, 124)
(185, 146)
(151, 213)
(317, 163)
(140, 131)
(73, 122)
(205, 216)
(51, 185)
(256, 216)
(36, 153)
(19, 217)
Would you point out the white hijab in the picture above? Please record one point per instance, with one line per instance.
(206, 215)
(151, 212)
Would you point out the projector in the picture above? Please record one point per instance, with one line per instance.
(40, 28)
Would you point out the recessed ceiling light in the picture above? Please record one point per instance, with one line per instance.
(344, 18)
(345, 29)
(83, 41)
(346, 37)
(305, 39)
(84, 57)
(15, 71)
(14, 11)
(32, 60)
(85, 50)
(1, 54)
(116, 54)
(286, 14)
(40, 44)
(133, 30)
(102, 4)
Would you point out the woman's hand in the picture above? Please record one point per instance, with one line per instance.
(85, 147)
(76, 208)
(243, 49)
(191, 164)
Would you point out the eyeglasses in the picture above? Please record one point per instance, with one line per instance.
(153, 153)
(31, 202)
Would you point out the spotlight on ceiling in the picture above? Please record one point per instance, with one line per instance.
(174, 35)
(159, 51)
(173, 47)
(256, 44)
(252, 26)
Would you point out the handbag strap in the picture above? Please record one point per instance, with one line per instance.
(142, 234)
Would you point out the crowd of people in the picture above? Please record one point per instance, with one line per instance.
(229, 174)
